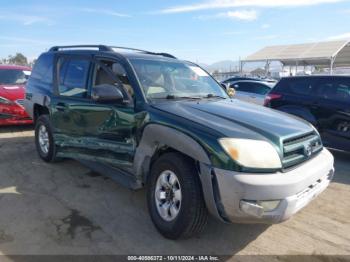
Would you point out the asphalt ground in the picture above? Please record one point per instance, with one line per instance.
(66, 209)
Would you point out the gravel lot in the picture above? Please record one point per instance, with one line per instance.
(65, 208)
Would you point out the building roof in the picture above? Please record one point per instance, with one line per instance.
(305, 54)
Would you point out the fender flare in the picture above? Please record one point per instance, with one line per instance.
(156, 136)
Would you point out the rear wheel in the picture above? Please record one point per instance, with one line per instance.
(174, 197)
(44, 141)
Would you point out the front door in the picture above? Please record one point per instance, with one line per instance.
(90, 130)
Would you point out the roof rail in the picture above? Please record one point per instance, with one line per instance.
(144, 51)
(165, 54)
(100, 47)
(108, 48)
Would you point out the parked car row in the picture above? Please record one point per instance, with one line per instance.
(150, 120)
(324, 101)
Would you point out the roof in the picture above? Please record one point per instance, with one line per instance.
(316, 76)
(305, 54)
(253, 81)
(15, 67)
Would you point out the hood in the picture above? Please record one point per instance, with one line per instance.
(12, 92)
(234, 118)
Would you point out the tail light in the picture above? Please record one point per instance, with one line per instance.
(270, 97)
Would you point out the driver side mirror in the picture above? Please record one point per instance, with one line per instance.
(231, 91)
(225, 86)
(107, 93)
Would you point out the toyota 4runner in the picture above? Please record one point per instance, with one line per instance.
(150, 120)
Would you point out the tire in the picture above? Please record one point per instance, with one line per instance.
(190, 213)
(49, 155)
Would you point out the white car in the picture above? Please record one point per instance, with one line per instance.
(251, 91)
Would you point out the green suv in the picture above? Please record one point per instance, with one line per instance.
(150, 120)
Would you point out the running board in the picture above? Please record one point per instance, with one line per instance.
(125, 179)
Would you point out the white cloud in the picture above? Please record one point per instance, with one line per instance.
(233, 33)
(104, 12)
(21, 40)
(25, 19)
(266, 37)
(219, 4)
(247, 15)
(265, 26)
(345, 36)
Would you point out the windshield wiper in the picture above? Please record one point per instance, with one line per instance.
(214, 96)
(182, 97)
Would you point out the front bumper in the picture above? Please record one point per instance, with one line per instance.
(294, 189)
(13, 115)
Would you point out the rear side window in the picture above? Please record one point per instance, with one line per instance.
(296, 86)
(334, 89)
(261, 89)
(243, 87)
(43, 69)
(73, 75)
(254, 88)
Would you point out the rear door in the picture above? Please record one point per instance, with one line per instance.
(332, 111)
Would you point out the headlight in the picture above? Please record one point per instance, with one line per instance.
(314, 128)
(251, 153)
(5, 101)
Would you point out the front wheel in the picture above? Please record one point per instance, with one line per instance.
(44, 141)
(175, 199)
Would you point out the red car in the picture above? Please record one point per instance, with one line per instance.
(12, 91)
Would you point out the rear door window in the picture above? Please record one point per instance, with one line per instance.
(261, 89)
(244, 87)
(73, 76)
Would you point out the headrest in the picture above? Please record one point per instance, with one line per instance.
(118, 69)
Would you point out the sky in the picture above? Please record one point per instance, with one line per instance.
(203, 31)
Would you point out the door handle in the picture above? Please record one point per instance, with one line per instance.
(61, 107)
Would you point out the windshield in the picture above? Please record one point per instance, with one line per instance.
(13, 76)
(163, 79)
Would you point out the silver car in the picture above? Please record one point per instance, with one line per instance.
(251, 91)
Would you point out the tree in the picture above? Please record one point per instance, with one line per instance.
(32, 63)
(18, 59)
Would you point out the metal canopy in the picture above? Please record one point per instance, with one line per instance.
(334, 53)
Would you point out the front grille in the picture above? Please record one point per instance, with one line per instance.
(301, 148)
(20, 102)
